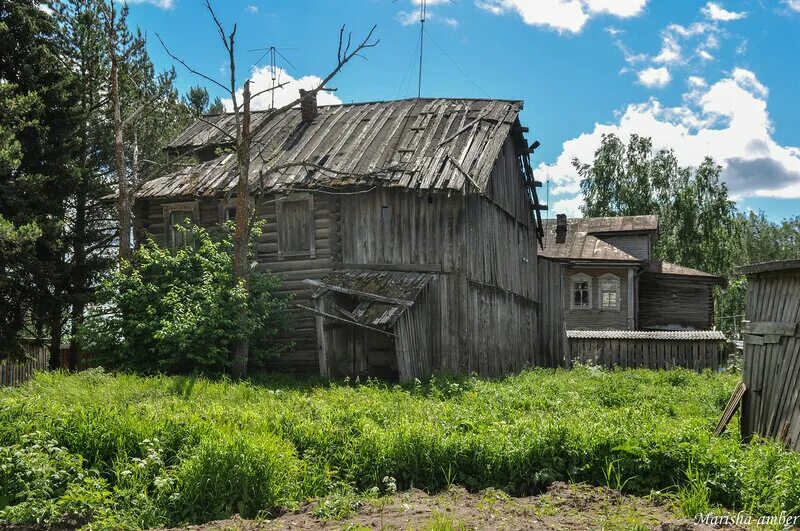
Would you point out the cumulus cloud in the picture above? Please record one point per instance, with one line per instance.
(163, 4)
(262, 79)
(670, 51)
(564, 16)
(655, 77)
(571, 206)
(251, 9)
(409, 18)
(794, 5)
(727, 120)
(715, 11)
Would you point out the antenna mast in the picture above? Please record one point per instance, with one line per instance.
(423, 10)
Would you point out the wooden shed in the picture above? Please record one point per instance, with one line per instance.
(406, 232)
(771, 372)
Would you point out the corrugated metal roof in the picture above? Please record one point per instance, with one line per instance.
(383, 295)
(425, 144)
(677, 335)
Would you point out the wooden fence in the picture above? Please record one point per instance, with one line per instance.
(38, 355)
(771, 365)
(695, 350)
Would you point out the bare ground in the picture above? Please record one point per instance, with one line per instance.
(563, 506)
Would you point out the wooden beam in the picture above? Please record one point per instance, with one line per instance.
(415, 268)
(730, 409)
(342, 319)
(763, 328)
(357, 293)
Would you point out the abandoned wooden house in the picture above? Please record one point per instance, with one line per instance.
(406, 231)
(612, 282)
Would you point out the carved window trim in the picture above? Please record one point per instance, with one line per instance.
(616, 282)
(574, 281)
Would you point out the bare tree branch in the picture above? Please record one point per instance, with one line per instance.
(189, 68)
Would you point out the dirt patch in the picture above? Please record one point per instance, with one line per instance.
(563, 506)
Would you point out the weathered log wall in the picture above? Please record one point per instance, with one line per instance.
(666, 302)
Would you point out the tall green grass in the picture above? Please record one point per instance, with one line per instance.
(138, 452)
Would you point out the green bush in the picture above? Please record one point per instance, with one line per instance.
(159, 451)
(176, 311)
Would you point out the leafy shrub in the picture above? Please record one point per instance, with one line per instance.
(176, 311)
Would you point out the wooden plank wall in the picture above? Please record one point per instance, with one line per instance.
(666, 301)
(552, 327)
(16, 373)
(637, 245)
(771, 371)
(595, 318)
(648, 353)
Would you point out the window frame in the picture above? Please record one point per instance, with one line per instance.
(618, 283)
(573, 280)
(168, 209)
(311, 252)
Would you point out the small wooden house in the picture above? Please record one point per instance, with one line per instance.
(612, 282)
(406, 231)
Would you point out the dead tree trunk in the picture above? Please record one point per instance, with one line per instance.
(241, 235)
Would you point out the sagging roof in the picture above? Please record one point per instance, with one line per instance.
(580, 244)
(424, 144)
(383, 295)
(667, 268)
(677, 335)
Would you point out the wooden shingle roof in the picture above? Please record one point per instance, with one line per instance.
(667, 268)
(424, 144)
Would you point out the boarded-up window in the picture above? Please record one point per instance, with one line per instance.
(295, 220)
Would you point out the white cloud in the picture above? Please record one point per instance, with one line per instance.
(655, 77)
(727, 120)
(715, 11)
(251, 9)
(696, 82)
(262, 79)
(564, 16)
(670, 51)
(704, 55)
(571, 206)
(409, 18)
(794, 5)
(163, 4)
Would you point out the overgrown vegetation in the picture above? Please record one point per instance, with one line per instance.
(127, 451)
(177, 311)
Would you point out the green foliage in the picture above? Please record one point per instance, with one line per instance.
(696, 217)
(164, 450)
(176, 311)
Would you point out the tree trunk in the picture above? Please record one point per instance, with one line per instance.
(241, 235)
(123, 201)
(78, 282)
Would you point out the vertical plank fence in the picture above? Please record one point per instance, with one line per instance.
(16, 373)
(696, 350)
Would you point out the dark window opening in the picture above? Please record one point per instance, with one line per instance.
(182, 218)
(385, 212)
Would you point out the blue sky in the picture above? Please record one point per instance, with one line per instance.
(706, 78)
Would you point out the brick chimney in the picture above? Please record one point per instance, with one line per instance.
(561, 228)
(308, 105)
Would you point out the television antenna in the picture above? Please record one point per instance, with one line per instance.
(273, 54)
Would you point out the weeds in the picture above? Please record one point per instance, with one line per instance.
(130, 452)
